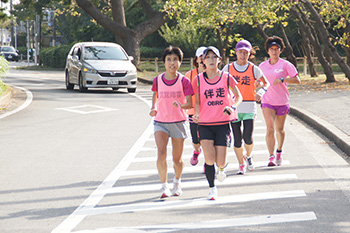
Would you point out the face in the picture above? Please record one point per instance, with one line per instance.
(172, 63)
(274, 51)
(242, 55)
(211, 61)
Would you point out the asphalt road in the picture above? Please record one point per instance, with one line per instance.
(85, 162)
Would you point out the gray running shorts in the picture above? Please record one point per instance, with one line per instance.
(174, 130)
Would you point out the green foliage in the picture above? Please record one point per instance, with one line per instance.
(149, 52)
(187, 36)
(4, 66)
(55, 56)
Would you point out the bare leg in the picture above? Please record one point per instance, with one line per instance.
(178, 145)
(162, 141)
(270, 116)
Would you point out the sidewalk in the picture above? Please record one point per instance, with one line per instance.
(327, 112)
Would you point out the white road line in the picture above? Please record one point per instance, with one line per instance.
(197, 169)
(26, 103)
(203, 183)
(188, 156)
(147, 206)
(74, 219)
(221, 223)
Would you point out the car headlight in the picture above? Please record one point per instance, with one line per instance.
(89, 70)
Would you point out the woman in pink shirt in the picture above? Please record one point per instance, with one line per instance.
(275, 102)
(172, 93)
(214, 110)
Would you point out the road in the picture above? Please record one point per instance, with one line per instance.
(85, 162)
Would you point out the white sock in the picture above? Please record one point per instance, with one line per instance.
(165, 185)
(177, 180)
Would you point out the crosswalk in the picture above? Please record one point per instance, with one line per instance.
(130, 194)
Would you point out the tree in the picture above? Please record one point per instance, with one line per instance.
(325, 37)
(129, 38)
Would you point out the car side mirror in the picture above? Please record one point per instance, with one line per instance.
(131, 58)
(75, 58)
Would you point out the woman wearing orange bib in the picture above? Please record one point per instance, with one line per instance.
(200, 67)
(171, 95)
(246, 74)
(214, 110)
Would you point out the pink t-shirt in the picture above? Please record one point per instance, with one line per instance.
(186, 84)
(278, 94)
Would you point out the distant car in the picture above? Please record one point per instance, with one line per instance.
(100, 65)
(10, 53)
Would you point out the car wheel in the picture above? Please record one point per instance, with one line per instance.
(69, 86)
(131, 90)
(81, 84)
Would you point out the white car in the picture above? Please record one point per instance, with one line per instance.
(100, 65)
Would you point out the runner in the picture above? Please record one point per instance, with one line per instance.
(275, 103)
(198, 63)
(171, 95)
(214, 110)
(246, 74)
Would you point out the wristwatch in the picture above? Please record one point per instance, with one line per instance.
(282, 80)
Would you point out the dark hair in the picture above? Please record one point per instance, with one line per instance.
(173, 50)
(275, 39)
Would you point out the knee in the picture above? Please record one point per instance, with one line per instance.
(270, 130)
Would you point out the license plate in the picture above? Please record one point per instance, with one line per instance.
(10, 56)
(113, 81)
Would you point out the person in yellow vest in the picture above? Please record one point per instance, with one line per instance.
(199, 68)
(246, 74)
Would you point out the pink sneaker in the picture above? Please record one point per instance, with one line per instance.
(194, 159)
(279, 158)
(272, 162)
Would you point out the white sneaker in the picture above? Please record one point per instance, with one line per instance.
(242, 169)
(221, 176)
(165, 192)
(213, 193)
(250, 163)
(177, 191)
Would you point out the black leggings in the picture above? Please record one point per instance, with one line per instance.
(248, 127)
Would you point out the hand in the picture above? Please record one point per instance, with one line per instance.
(257, 98)
(195, 118)
(228, 110)
(258, 84)
(153, 112)
(176, 104)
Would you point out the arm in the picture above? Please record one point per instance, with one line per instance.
(186, 105)
(229, 109)
(262, 91)
(153, 111)
(196, 108)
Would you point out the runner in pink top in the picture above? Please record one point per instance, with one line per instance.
(171, 95)
(214, 109)
(275, 102)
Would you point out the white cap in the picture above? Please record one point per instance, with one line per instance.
(200, 51)
(214, 50)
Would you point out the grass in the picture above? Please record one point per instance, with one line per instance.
(3, 87)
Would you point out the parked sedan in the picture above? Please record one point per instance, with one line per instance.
(100, 65)
(10, 53)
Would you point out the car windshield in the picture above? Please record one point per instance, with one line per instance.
(104, 53)
(7, 49)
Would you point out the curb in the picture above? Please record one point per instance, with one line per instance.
(143, 80)
(6, 97)
(341, 140)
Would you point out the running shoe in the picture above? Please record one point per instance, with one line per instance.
(272, 162)
(213, 193)
(194, 159)
(251, 166)
(279, 158)
(177, 191)
(165, 192)
(204, 169)
(221, 176)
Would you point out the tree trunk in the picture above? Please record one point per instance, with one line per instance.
(130, 39)
(307, 50)
(288, 51)
(347, 48)
(308, 29)
(324, 35)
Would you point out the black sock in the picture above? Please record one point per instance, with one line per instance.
(210, 174)
(279, 151)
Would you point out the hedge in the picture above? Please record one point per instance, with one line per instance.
(55, 56)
